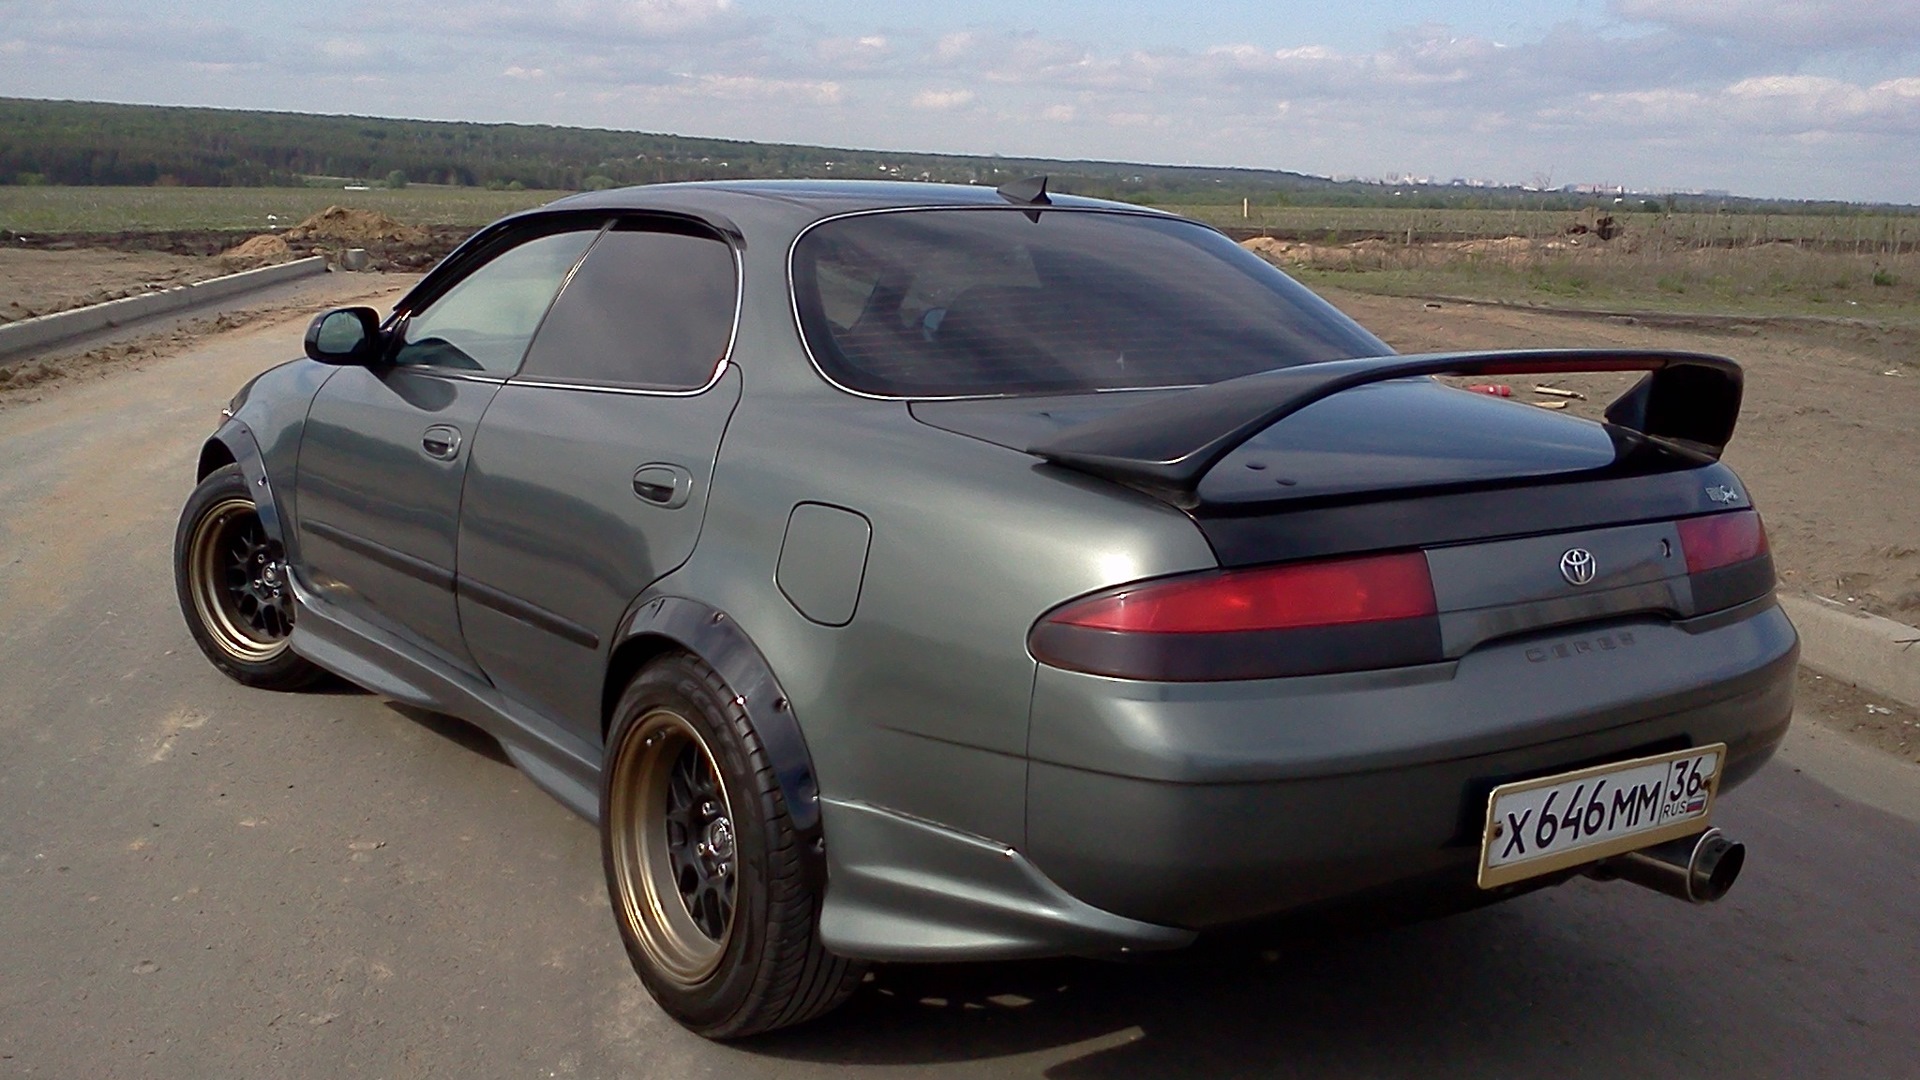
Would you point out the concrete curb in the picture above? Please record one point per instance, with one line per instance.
(1866, 650)
(41, 331)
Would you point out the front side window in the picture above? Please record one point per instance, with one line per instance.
(486, 320)
(948, 302)
(651, 307)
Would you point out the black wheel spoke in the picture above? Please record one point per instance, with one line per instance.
(233, 587)
(694, 822)
(712, 917)
(249, 579)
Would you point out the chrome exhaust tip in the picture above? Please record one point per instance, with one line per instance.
(1698, 869)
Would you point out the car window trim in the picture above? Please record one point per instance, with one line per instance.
(793, 290)
(456, 374)
(397, 324)
(610, 388)
(733, 332)
(481, 247)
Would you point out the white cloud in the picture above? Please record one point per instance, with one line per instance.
(1779, 106)
(601, 21)
(639, 18)
(943, 99)
(955, 46)
(1862, 24)
(755, 88)
(79, 28)
(869, 53)
(345, 49)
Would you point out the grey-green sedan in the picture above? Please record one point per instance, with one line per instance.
(914, 572)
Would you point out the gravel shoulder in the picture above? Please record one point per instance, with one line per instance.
(39, 282)
(28, 381)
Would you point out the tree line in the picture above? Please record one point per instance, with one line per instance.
(93, 143)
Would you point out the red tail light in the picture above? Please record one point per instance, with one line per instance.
(1376, 611)
(1274, 598)
(1722, 539)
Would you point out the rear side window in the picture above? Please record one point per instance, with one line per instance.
(992, 301)
(484, 322)
(651, 307)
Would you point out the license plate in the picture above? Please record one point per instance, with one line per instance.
(1538, 826)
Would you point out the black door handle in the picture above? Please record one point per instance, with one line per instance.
(441, 441)
(664, 485)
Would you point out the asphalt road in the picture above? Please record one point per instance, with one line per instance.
(200, 881)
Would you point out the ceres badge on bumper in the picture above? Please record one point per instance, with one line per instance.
(1550, 823)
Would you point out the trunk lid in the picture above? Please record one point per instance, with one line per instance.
(1406, 463)
(1495, 493)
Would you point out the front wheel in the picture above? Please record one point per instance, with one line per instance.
(231, 578)
(703, 864)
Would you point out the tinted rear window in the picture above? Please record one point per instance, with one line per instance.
(990, 301)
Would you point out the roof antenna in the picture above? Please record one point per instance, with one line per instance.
(1029, 192)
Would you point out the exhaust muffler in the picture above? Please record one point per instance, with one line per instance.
(1698, 869)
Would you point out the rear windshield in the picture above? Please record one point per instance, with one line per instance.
(990, 301)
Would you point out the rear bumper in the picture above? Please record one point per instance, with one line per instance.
(1199, 805)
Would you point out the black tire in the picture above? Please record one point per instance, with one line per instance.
(230, 578)
(703, 866)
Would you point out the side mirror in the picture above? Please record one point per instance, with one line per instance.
(345, 336)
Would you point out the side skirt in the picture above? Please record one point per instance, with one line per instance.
(562, 765)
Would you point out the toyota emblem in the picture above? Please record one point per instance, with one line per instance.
(1577, 566)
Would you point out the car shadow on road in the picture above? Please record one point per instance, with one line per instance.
(454, 730)
(1496, 992)
(335, 686)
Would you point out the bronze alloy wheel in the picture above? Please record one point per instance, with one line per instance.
(238, 582)
(674, 847)
(713, 889)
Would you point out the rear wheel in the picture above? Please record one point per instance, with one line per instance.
(703, 865)
(231, 578)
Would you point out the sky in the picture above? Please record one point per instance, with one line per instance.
(1814, 99)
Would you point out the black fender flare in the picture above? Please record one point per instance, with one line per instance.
(240, 445)
(719, 641)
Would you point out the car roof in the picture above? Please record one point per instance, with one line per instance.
(803, 200)
(774, 210)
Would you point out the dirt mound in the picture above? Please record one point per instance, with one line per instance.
(1276, 250)
(410, 252)
(263, 250)
(1504, 245)
(1300, 253)
(359, 228)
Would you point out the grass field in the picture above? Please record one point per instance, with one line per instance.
(157, 209)
(1861, 233)
(1770, 279)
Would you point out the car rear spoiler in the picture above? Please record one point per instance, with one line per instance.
(1167, 445)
